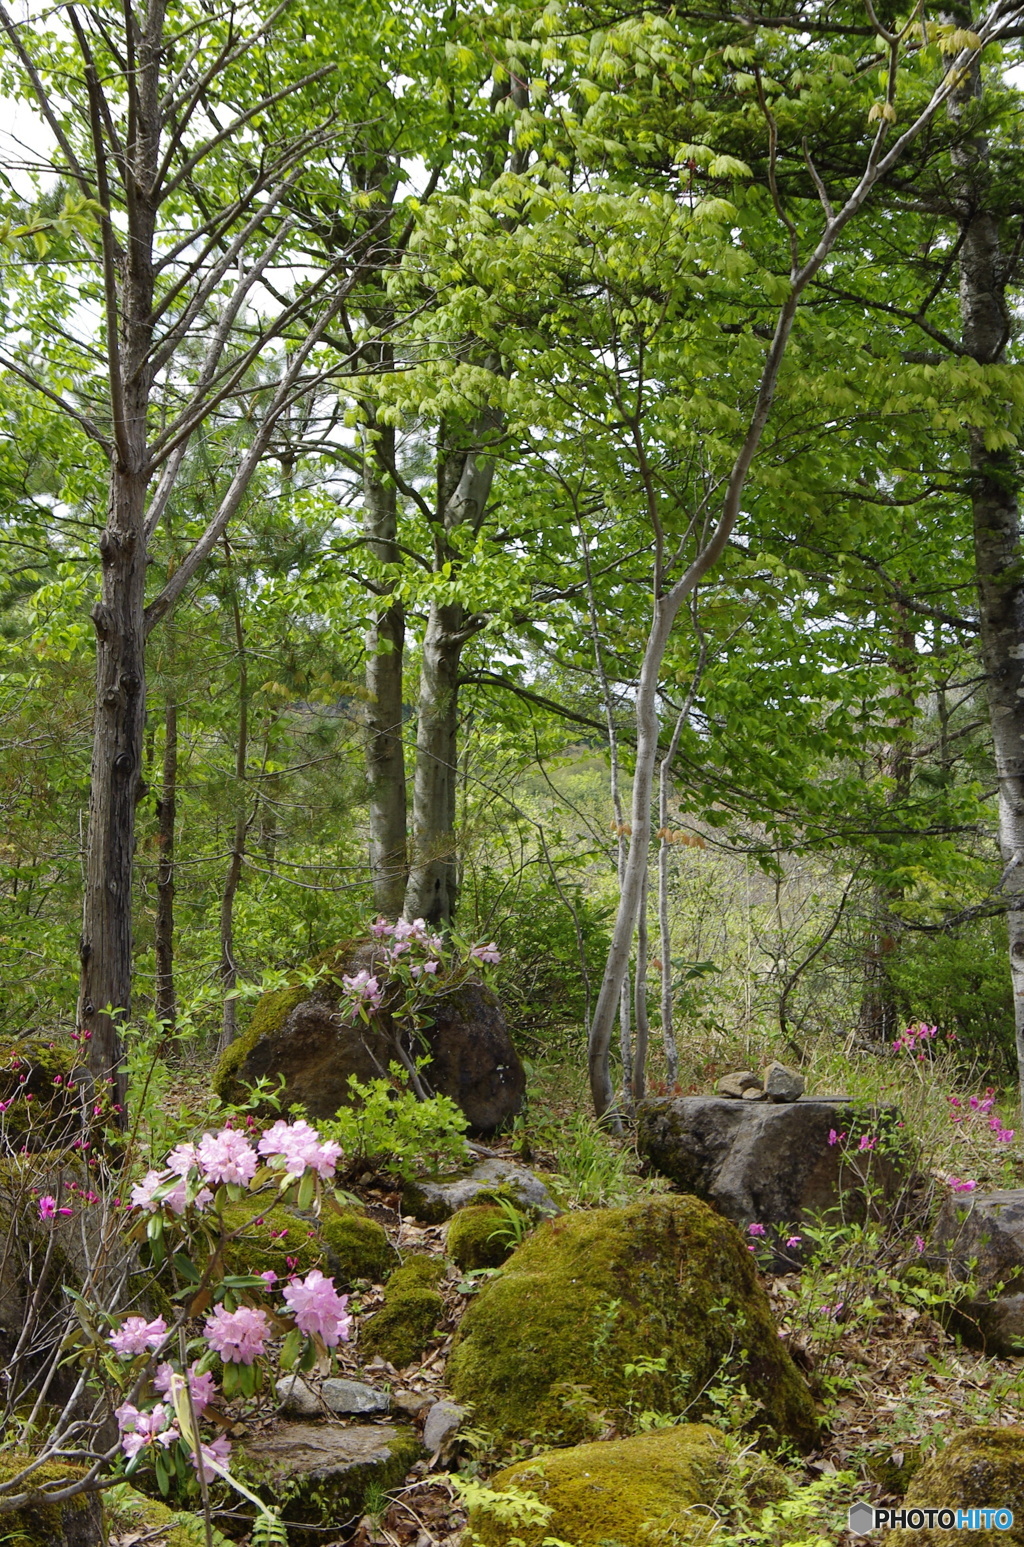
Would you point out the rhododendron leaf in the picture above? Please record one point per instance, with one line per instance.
(229, 1379)
(308, 1359)
(163, 1475)
(290, 1349)
(186, 1267)
(307, 1187)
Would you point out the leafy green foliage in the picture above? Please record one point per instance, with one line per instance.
(388, 1128)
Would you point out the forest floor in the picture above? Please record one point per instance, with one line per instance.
(892, 1382)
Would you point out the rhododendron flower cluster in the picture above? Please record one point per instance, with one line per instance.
(227, 1157)
(238, 1336)
(364, 989)
(318, 1308)
(300, 1146)
(140, 1429)
(137, 1335)
(486, 953)
(218, 1450)
(202, 1387)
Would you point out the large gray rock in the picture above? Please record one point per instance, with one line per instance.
(986, 1230)
(441, 1426)
(436, 1201)
(325, 1469)
(300, 1034)
(769, 1163)
(782, 1084)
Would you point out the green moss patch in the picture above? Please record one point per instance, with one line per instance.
(654, 1490)
(347, 1246)
(472, 1241)
(77, 1522)
(405, 1323)
(270, 1014)
(665, 1286)
(128, 1510)
(982, 1468)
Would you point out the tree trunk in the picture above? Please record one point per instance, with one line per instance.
(998, 550)
(464, 477)
(228, 967)
(432, 890)
(385, 641)
(104, 995)
(166, 811)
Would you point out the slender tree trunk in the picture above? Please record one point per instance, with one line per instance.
(385, 641)
(465, 474)
(432, 890)
(638, 1083)
(228, 966)
(166, 811)
(998, 549)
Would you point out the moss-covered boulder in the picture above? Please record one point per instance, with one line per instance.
(40, 1102)
(478, 1237)
(981, 1468)
(76, 1522)
(665, 1286)
(132, 1514)
(347, 1246)
(654, 1490)
(405, 1323)
(320, 1474)
(299, 1034)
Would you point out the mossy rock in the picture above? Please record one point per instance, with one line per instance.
(128, 1510)
(321, 1474)
(981, 1468)
(405, 1323)
(347, 1246)
(471, 1240)
(42, 1101)
(654, 1490)
(76, 1522)
(542, 1350)
(297, 1033)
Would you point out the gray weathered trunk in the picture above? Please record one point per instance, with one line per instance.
(998, 550)
(228, 965)
(385, 642)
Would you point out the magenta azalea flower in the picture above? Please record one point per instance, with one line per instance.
(48, 1205)
(238, 1336)
(755, 1229)
(319, 1308)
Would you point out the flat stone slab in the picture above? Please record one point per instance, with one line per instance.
(769, 1163)
(988, 1230)
(321, 1450)
(436, 1201)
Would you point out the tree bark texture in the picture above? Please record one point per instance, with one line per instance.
(385, 642)
(465, 475)
(228, 965)
(166, 811)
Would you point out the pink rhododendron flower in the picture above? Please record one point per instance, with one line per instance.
(136, 1335)
(486, 953)
(1004, 1136)
(382, 929)
(919, 1243)
(959, 1184)
(755, 1229)
(212, 1450)
(202, 1386)
(793, 1240)
(238, 1336)
(227, 1157)
(364, 988)
(300, 1146)
(867, 1143)
(835, 1138)
(182, 1158)
(319, 1308)
(142, 1195)
(139, 1429)
(269, 1277)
